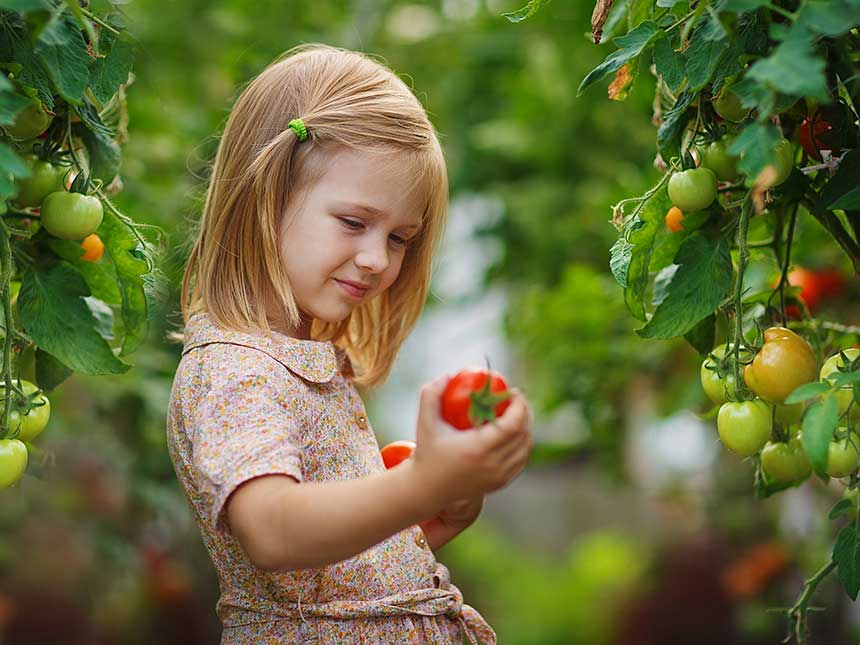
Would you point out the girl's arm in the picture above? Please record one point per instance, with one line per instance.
(283, 525)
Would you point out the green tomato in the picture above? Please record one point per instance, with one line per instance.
(785, 462)
(29, 122)
(71, 216)
(44, 178)
(692, 190)
(718, 390)
(13, 461)
(745, 426)
(843, 456)
(845, 394)
(716, 158)
(31, 424)
(782, 160)
(728, 105)
(787, 415)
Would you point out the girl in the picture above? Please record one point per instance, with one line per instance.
(312, 264)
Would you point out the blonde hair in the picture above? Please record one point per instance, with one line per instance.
(345, 99)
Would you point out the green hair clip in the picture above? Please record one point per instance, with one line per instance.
(298, 126)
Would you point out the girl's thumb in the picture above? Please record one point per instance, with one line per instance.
(431, 393)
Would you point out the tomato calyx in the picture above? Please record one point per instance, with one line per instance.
(482, 408)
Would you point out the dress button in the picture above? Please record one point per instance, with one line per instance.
(420, 540)
(361, 420)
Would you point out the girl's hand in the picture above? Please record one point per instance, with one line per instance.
(452, 464)
(451, 521)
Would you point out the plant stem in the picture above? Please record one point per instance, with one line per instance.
(786, 263)
(96, 19)
(797, 614)
(5, 277)
(743, 255)
(829, 221)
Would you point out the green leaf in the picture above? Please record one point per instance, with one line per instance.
(132, 263)
(846, 553)
(66, 64)
(807, 391)
(702, 336)
(99, 276)
(521, 14)
(32, 73)
(90, 118)
(619, 260)
(703, 276)
(742, 6)
(843, 190)
(819, 423)
(104, 152)
(672, 129)
(842, 507)
(754, 146)
(793, 68)
(25, 6)
(54, 314)
(108, 73)
(11, 168)
(703, 55)
(11, 103)
(49, 371)
(642, 232)
(669, 63)
(829, 17)
(631, 45)
(842, 379)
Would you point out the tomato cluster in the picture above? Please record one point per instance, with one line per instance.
(30, 412)
(754, 418)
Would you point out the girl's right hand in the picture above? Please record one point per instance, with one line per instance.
(455, 464)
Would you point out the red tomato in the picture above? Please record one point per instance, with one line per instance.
(816, 134)
(397, 451)
(815, 286)
(474, 397)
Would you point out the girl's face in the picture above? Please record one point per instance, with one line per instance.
(346, 236)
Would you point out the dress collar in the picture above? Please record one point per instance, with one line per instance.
(313, 360)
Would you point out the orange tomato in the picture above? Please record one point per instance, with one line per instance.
(674, 217)
(93, 248)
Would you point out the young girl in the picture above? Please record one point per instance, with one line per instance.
(312, 264)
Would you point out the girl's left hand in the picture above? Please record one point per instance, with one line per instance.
(461, 513)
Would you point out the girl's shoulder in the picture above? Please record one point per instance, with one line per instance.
(227, 353)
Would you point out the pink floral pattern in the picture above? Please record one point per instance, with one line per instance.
(245, 405)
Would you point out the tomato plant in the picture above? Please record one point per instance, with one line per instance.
(71, 216)
(473, 397)
(693, 189)
(44, 178)
(397, 452)
(30, 122)
(717, 378)
(785, 462)
(13, 461)
(30, 412)
(844, 395)
(843, 456)
(745, 426)
(728, 105)
(785, 362)
(716, 158)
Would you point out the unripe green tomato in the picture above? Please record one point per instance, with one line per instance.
(717, 389)
(71, 216)
(13, 461)
(785, 462)
(29, 122)
(716, 158)
(31, 424)
(44, 178)
(728, 105)
(845, 394)
(787, 415)
(692, 190)
(843, 456)
(745, 426)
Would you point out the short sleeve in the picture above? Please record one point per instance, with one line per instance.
(242, 430)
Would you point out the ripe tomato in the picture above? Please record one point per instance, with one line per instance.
(29, 424)
(716, 158)
(44, 178)
(396, 452)
(71, 216)
(29, 122)
(692, 190)
(817, 134)
(785, 462)
(784, 363)
(717, 389)
(728, 106)
(13, 461)
(845, 394)
(843, 456)
(815, 286)
(673, 219)
(474, 397)
(93, 248)
(745, 426)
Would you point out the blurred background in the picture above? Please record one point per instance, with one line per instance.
(630, 525)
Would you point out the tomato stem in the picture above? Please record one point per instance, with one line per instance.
(5, 278)
(797, 614)
(743, 256)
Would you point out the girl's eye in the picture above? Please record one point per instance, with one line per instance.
(351, 223)
(399, 240)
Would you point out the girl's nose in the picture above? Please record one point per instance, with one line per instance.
(373, 258)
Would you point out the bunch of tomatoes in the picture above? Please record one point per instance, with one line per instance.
(51, 196)
(759, 415)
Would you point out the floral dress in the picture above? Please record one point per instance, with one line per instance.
(244, 405)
